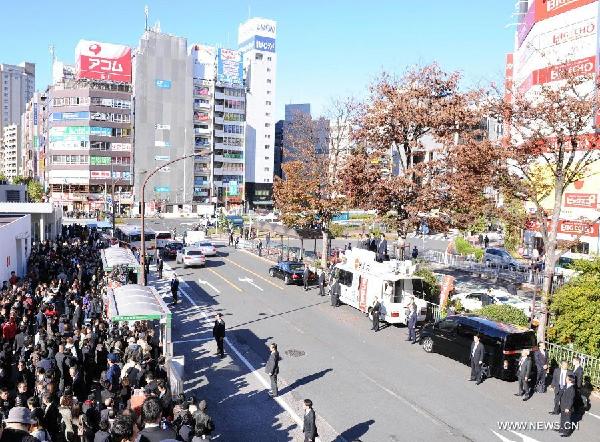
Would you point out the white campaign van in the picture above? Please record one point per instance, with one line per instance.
(362, 279)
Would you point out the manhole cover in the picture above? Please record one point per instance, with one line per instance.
(294, 353)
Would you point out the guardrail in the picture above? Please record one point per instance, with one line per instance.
(590, 364)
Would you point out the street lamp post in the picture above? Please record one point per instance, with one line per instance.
(148, 176)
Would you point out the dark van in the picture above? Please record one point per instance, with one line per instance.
(453, 335)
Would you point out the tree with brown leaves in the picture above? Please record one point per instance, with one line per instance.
(307, 196)
(552, 145)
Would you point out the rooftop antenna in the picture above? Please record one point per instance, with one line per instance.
(146, 17)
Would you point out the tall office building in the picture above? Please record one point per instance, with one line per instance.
(18, 85)
(162, 78)
(219, 124)
(33, 137)
(88, 150)
(10, 151)
(256, 41)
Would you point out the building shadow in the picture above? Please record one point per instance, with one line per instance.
(304, 380)
(353, 434)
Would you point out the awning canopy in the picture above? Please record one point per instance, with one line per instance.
(133, 302)
(281, 230)
(118, 256)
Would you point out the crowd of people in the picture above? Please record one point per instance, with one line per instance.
(69, 374)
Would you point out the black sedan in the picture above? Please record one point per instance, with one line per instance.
(291, 272)
(170, 250)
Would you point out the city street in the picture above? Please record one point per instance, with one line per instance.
(365, 386)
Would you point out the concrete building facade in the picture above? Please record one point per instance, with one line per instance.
(163, 97)
(17, 83)
(256, 41)
(10, 151)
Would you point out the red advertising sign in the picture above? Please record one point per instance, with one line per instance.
(584, 66)
(578, 228)
(582, 200)
(549, 8)
(103, 61)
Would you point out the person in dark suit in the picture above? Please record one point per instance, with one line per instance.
(309, 427)
(477, 353)
(524, 375)
(375, 309)
(334, 293)
(541, 366)
(567, 401)
(412, 322)
(581, 400)
(322, 283)
(305, 276)
(159, 267)
(152, 432)
(219, 333)
(381, 248)
(272, 368)
(559, 383)
(174, 288)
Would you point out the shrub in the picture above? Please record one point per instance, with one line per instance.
(504, 313)
(431, 287)
(576, 309)
(464, 247)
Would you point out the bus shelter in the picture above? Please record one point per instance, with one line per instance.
(133, 302)
(121, 264)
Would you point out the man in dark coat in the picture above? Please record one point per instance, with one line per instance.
(322, 283)
(309, 427)
(524, 375)
(174, 288)
(559, 383)
(334, 293)
(567, 401)
(477, 353)
(412, 322)
(272, 368)
(375, 309)
(541, 366)
(382, 249)
(219, 333)
(305, 276)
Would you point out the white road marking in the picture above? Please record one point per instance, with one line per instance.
(201, 282)
(593, 415)
(251, 282)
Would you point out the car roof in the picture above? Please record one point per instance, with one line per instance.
(488, 326)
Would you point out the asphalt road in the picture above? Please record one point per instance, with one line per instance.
(365, 386)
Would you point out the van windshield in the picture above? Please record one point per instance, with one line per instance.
(519, 341)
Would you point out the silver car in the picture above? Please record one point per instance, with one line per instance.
(190, 256)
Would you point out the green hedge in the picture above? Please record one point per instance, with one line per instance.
(464, 247)
(504, 313)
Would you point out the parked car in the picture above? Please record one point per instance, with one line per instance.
(291, 272)
(208, 248)
(190, 256)
(494, 257)
(171, 248)
(453, 335)
(472, 301)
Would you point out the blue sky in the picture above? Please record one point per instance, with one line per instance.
(326, 48)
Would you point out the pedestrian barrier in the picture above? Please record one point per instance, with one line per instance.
(590, 364)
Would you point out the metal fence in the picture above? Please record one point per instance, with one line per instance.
(509, 273)
(591, 365)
